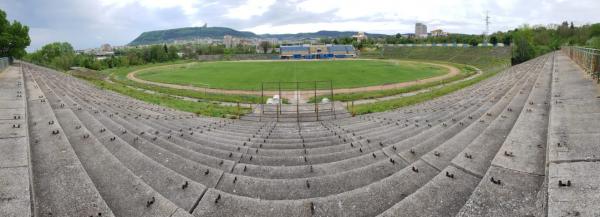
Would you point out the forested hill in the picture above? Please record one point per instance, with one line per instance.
(166, 36)
(163, 36)
(319, 34)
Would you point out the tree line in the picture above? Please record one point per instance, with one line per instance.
(532, 41)
(62, 56)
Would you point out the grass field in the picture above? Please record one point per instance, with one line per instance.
(249, 75)
(465, 71)
(119, 75)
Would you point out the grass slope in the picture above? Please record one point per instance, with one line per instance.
(249, 75)
(422, 97)
(465, 71)
(489, 60)
(481, 57)
(99, 79)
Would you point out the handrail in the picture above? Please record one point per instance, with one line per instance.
(587, 58)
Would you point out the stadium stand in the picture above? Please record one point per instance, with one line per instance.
(521, 143)
(317, 51)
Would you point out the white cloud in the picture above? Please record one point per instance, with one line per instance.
(378, 26)
(190, 8)
(393, 9)
(250, 9)
(90, 23)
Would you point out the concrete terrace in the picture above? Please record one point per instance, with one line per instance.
(522, 143)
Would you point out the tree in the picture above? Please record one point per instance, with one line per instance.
(594, 42)
(595, 30)
(494, 40)
(14, 38)
(156, 54)
(172, 53)
(473, 42)
(325, 40)
(507, 40)
(523, 49)
(264, 46)
(56, 49)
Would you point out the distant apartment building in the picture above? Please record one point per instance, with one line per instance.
(421, 30)
(438, 32)
(228, 41)
(106, 48)
(103, 52)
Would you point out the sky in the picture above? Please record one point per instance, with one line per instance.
(90, 23)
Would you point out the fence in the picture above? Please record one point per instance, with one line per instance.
(448, 45)
(586, 58)
(4, 63)
(294, 100)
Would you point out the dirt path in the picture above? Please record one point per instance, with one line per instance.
(303, 96)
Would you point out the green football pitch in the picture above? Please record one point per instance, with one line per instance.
(248, 75)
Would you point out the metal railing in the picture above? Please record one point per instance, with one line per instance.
(294, 92)
(587, 58)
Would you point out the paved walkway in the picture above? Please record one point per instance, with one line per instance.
(573, 142)
(14, 146)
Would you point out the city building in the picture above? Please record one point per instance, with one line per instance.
(421, 30)
(360, 36)
(228, 41)
(106, 48)
(438, 32)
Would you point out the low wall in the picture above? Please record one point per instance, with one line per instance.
(221, 57)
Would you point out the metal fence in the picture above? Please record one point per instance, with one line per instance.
(4, 63)
(297, 98)
(587, 58)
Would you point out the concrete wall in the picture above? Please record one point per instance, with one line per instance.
(238, 57)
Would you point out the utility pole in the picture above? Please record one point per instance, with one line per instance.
(487, 27)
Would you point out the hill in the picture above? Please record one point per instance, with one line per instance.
(170, 35)
(162, 36)
(319, 34)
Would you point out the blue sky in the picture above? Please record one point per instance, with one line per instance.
(90, 23)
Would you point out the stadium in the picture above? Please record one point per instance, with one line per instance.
(358, 129)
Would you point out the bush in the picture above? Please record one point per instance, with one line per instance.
(594, 42)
